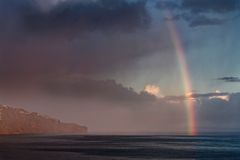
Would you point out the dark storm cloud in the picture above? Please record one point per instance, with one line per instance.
(81, 16)
(100, 89)
(204, 6)
(214, 6)
(229, 79)
(202, 13)
(78, 15)
(84, 37)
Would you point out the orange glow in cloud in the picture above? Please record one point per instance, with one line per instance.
(153, 90)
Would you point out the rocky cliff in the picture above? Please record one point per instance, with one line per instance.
(19, 121)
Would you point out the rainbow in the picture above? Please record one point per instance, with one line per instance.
(192, 130)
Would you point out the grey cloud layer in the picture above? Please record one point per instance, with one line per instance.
(100, 15)
(108, 90)
(215, 6)
(78, 15)
(204, 12)
(212, 112)
(196, 96)
(84, 37)
(229, 79)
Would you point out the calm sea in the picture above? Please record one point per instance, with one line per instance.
(119, 147)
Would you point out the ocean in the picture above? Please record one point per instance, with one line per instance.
(141, 147)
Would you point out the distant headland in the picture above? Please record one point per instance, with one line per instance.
(20, 121)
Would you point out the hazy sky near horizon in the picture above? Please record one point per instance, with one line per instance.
(91, 61)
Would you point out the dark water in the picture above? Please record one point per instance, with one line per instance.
(119, 147)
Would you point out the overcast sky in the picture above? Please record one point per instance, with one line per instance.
(112, 65)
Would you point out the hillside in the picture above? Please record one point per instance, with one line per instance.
(20, 121)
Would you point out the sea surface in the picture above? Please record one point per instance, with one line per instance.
(93, 147)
